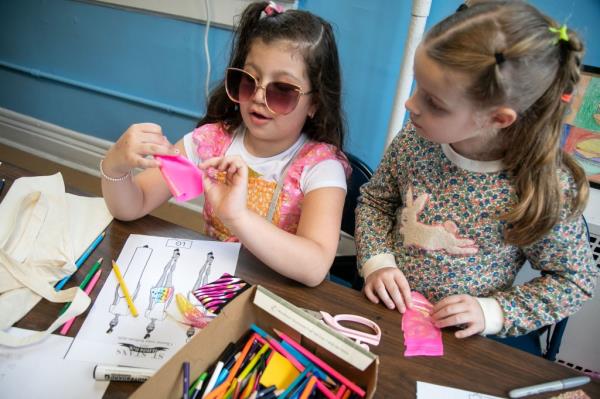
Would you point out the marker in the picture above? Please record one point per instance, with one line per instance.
(121, 373)
(81, 260)
(186, 379)
(197, 386)
(549, 387)
(213, 378)
(130, 303)
(218, 391)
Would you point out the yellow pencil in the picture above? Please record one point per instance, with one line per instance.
(134, 311)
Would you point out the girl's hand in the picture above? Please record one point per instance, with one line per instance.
(229, 199)
(389, 285)
(130, 151)
(456, 310)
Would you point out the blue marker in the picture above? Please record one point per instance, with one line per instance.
(81, 260)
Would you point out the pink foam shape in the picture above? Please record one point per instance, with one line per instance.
(183, 178)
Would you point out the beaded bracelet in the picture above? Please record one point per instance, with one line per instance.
(118, 179)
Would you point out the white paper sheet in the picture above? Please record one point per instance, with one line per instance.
(154, 270)
(432, 391)
(40, 371)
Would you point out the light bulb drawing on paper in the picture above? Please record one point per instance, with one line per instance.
(133, 275)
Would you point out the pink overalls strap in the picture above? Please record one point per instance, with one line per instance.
(290, 201)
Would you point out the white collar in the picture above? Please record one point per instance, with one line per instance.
(470, 164)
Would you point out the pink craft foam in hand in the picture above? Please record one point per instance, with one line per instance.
(183, 178)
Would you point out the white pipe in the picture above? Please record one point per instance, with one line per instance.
(420, 12)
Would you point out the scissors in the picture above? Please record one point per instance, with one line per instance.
(362, 338)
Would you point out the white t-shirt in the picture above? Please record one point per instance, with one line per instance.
(327, 173)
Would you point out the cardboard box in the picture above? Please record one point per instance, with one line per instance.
(267, 310)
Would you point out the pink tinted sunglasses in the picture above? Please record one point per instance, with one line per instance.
(280, 97)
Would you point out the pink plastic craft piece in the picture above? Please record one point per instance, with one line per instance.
(183, 178)
(421, 336)
(192, 315)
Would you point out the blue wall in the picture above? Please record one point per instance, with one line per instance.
(97, 69)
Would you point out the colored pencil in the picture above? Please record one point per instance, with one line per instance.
(88, 290)
(83, 284)
(328, 369)
(309, 387)
(130, 303)
(324, 390)
(278, 347)
(81, 260)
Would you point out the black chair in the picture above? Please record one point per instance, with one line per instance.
(344, 269)
(531, 342)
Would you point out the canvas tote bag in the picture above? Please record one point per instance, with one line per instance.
(43, 230)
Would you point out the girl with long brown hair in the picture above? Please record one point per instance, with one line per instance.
(477, 184)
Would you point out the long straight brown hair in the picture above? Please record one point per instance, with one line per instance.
(514, 59)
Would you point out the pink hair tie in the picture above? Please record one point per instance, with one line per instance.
(273, 8)
(566, 97)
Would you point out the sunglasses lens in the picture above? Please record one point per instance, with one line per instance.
(282, 98)
(240, 85)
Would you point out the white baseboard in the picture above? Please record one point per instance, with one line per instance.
(55, 143)
(66, 147)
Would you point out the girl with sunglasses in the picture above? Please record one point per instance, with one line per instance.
(269, 144)
(477, 183)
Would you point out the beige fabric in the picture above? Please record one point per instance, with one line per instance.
(44, 230)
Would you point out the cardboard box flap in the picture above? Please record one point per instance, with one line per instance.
(313, 329)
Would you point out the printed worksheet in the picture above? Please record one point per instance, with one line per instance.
(431, 391)
(154, 269)
(40, 371)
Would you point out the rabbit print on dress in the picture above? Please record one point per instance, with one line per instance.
(434, 237)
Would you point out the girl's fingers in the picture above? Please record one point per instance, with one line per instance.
(404, 289)
(210, 163)
(220, 163)
(450, 310)
(383, 295)
(207, 182)
(153, 138)
(149, 127)
(394, 292)
(147, 163)
(158, 149)
(467, 332)
(231, 164)
(241, 173)
(445, 302)
(370, 294)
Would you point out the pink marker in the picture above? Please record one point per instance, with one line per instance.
(88, 290)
